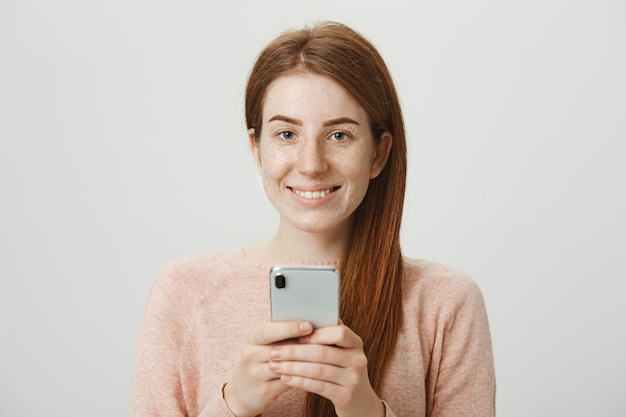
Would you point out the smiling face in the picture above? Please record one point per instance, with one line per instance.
(316, 154)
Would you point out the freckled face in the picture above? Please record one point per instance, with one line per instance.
(316, 154)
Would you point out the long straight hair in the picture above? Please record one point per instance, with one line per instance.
(371, 268)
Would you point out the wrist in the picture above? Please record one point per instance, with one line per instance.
(370, 407)
(234, 406)
(378, 409)
(374, 406)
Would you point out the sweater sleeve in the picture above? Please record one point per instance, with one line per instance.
(465, 380)
(157, 390)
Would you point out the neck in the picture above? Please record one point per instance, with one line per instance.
(293, 244)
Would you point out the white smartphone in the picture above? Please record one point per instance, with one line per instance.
(305, 293)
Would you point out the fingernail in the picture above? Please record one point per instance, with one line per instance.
(305, 326)
(274, 366)
(286, 378)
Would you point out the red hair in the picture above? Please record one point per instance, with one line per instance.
(371, 269)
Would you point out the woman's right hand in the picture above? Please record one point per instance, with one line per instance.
(254, 387)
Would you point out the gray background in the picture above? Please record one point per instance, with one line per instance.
(123, 147)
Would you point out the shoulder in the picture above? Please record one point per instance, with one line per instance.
(188, 280)
(200, 268)
(436, 276)
(438, 287)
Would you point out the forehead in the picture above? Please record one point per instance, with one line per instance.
(310, 97)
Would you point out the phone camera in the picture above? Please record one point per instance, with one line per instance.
(280, 281)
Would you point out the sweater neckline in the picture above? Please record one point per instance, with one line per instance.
(240, 255)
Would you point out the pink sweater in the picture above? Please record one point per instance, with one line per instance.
(201, 309)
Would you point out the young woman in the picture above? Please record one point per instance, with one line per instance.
(326, 131)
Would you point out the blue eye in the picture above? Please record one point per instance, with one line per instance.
(339, 136)
(287, 135)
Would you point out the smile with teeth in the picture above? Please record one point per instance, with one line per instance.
(311, 195)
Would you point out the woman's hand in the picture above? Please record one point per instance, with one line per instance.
(254, 385)
(329, 362)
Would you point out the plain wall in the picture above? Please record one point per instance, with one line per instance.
(123, 147)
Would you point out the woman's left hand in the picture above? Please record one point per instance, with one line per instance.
(330, 362)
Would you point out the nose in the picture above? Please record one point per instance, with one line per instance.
(312, 158)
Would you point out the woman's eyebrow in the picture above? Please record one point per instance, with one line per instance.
(340, 121)
(280, 117)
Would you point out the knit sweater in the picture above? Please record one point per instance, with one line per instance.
(201, 309)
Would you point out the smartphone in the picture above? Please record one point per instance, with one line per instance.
(305, 293)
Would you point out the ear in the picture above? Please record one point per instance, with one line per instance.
(253, 144)
(381, 154)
